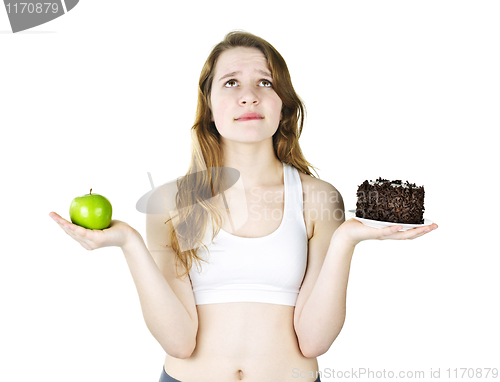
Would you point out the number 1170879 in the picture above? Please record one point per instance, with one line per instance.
(469, 372)
(16, 7)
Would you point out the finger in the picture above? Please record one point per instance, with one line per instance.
(391, 230)
(91, 238)
(58, 219)
(80, 235)
(415, 232)
(75, 228)
(427, 229)
(385, 233)
(419, 235)
(69, 229)
(402, 235)
(53, 215)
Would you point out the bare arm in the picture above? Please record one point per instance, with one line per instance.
(166, 317)
(167, 302)
(323, 313)
(320, 310)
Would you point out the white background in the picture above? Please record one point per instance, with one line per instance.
(103, 95)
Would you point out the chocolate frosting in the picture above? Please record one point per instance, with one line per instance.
(383, 201)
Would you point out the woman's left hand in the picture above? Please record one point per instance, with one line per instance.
(354, 231)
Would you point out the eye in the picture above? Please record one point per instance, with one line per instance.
(230, 84)
(266, 83)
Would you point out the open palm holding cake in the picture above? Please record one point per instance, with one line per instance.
(396, 204)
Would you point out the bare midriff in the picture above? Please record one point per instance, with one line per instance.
(244, 341)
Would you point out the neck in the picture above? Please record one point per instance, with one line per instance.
(258, 166)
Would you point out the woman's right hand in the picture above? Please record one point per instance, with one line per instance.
(116, 235)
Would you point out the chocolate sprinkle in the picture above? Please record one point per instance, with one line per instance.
(382, 201)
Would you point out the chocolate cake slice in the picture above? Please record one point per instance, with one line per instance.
(391, 201)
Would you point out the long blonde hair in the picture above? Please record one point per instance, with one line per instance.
(205, 176)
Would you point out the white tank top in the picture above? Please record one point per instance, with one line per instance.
(266, 269)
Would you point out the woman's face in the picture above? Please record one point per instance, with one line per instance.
(245, 107)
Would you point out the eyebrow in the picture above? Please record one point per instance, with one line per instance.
(232, 74)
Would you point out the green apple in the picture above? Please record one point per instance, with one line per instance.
(92, 211)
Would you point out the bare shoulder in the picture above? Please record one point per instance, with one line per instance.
(318, 190)
(322, 201)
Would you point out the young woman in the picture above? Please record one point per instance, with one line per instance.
(273, 250)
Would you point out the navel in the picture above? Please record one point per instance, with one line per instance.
(240, 374)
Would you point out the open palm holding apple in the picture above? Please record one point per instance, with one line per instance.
(91, 223)
(117, 234)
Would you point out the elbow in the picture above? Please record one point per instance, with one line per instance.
(181, 351)
(181, 347)
(311, 349)
(189, 351)
(185, 353)
(313, 352)
(315, 348)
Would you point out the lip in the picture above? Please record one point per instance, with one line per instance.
(249, 117)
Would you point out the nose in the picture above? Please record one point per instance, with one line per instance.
(248, 97)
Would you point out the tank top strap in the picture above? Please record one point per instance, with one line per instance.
(293, 191)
